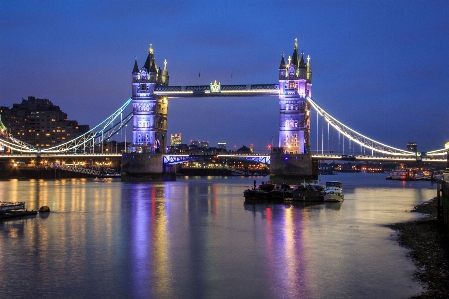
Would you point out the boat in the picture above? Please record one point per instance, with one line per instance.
(271, 193)
(333, 191)
(438, 175)
(402, 174)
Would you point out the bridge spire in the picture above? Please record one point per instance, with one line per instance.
(309, 71)
(165, 74)
(295, 56)
(136, 68)
(282, 66)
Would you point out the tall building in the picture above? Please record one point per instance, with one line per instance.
(295, 84)
(412, 147)
(222, 145)
(175, 139)
(149, 110)
(40, 123)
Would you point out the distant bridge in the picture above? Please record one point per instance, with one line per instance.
(171, 159)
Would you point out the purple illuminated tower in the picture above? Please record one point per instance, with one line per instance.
(295, 84)
(149, 110)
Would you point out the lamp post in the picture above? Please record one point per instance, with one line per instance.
(446, 146)
(125, 137)
(446, 172)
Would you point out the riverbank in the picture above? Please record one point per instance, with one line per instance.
(428, 242)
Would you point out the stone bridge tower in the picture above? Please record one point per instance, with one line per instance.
(149, 110)
(292, 163)
(295, 84)
(144, 160)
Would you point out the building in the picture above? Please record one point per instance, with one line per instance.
(40, 123)
(196, 143)
(149, 110)
(222, 145)
(175, 139)
(295, 85)
(412, 147)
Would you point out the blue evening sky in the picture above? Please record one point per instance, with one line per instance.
(380, 67)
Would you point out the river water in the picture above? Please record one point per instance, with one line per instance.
(194, 238)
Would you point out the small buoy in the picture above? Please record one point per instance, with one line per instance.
(44, 209)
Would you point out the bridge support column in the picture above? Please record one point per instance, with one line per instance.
(146, 167)
(292, 169)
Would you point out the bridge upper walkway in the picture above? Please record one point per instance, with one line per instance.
(217, 90)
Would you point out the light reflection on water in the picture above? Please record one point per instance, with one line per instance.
(194, 238)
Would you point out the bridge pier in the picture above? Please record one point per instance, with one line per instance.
(292, 169)
(146, 167)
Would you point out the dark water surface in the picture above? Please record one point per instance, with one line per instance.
(194, 238)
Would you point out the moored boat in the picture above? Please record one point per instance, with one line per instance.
(402, 174)
(333, 191)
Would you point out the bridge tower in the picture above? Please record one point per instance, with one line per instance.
(144, 161)
(292, 162)
(295, 84)
(149, 110)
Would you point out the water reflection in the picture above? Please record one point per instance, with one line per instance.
(150, 260)
(195, 238)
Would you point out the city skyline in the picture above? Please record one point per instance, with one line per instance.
(379, 68)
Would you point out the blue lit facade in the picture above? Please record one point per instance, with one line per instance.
(295, 85)
(149, 110)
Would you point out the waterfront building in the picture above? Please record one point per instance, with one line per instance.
(295, 85)
(175, 139)
(149, 110)
(222, 145)
(40, 122)
(196, 143)
(204, 145)
(412, 147)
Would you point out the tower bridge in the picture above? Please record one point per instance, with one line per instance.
(147, 159)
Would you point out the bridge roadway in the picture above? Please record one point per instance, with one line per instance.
(261, 158)
(217, 90)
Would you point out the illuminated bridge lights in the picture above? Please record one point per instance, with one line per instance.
(177, 159)
(106, 129)
(100, 133)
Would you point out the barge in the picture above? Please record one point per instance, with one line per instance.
(270, 193)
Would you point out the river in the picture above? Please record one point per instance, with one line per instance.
(194, 238)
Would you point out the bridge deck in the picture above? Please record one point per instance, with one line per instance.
(217, 90)
(180, 157)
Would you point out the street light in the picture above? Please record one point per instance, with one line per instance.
(125, 137)
(446, 146)
(446, 172)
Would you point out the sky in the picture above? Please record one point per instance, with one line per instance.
(379, 67)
